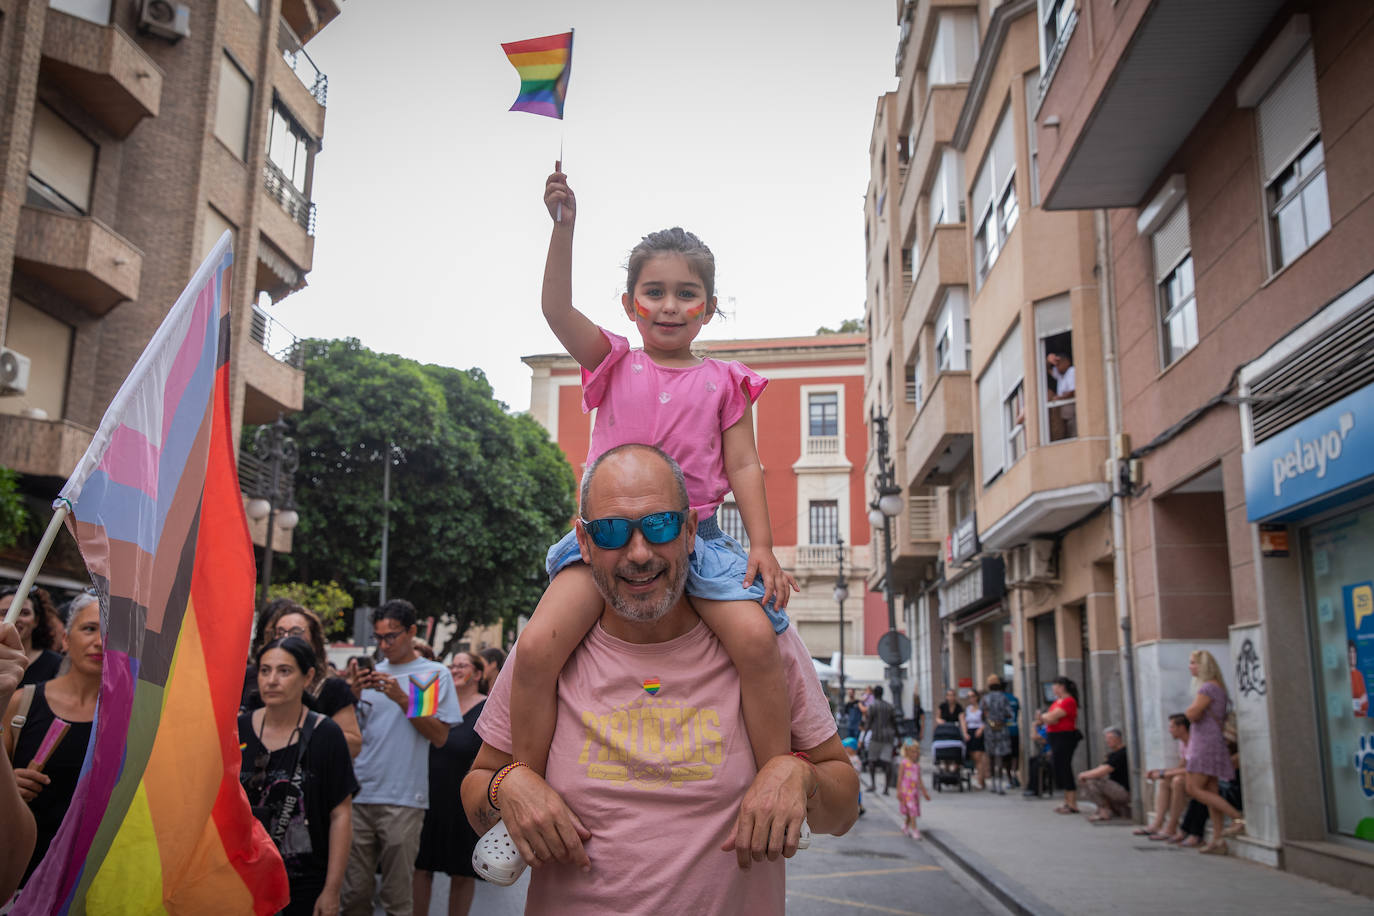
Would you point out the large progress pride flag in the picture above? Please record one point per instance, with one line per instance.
(159, 823)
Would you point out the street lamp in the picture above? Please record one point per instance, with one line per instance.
(885, 507)
(841, 595)
(276, 504)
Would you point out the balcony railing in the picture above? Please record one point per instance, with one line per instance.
(822, 445)
(280, 344)
(300, 63)
(280, 188)
(255, 475)
(924, 517)
(820, 556)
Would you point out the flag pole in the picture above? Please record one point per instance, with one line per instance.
(36, 563)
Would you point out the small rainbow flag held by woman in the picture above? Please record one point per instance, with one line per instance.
(424, 698)
(543, 65)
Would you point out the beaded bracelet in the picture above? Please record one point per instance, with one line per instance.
(803, 755)
(497, 778)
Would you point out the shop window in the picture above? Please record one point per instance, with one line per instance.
(61, 165)
(1002, 408)
(1294, 162)
(825, 521)
(234, 107)
(1054, 332)
(995, 210)
(732, 523)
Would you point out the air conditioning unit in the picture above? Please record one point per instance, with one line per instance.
(14, 372)
(165, 19)
(1017, 565)
(1042, 564)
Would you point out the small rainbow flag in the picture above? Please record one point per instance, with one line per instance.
(652, 685)
(424, 698)
(543, 65)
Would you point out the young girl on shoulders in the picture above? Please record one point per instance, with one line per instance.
(699, 411)
(911, 788)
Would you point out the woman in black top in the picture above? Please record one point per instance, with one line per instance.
(328, 696)
(299, 779)
(951, 710)
(35, 626)
(446, 838)
(47, 756)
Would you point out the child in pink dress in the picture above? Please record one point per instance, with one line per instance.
(911, 787)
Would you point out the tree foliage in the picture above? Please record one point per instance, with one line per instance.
(327, 599)
(13, 514)
(477, 494)
(848, 326)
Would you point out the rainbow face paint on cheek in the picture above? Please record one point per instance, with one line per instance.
(694, 313)
(640, 310)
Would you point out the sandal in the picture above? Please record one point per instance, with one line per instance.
(1144, 831)
(1065, 809)
(1099, 818)
(1190, 842)
(1160, 836)
(1214, 849)
(1235, 828)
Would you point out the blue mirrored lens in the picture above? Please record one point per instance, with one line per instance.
(614, 533)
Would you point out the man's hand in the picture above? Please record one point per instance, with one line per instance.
(777, 582)
(541, 825)
(770, 816)
(30, 783)
(386, 684)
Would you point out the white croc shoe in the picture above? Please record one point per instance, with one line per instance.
(804, 838)
(495, 857)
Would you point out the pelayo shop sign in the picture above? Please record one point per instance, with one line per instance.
(1329, 450)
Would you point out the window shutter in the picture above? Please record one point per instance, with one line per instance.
(1053, 316)
(990, 420)
(61, 158)
(1288, 117)
(234, 107)
(982, 191)
(1171, 241)
(1013, 366)
(1003, 152)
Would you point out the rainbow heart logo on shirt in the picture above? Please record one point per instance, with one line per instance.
(652, 685)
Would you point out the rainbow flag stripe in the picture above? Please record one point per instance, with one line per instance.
(543, 65)
(652, 685)
(159, 823)
(424, 698)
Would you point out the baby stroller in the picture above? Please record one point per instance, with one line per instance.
(948, 748)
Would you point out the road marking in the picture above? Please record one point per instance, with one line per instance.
(905, 869)
(862, 906)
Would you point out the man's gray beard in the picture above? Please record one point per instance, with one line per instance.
(640, 612)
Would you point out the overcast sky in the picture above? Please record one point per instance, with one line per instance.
(745, 121)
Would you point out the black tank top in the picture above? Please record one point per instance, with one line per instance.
(63, 768)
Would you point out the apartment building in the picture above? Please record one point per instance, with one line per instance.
(1225, 149)
(986, 362)
(809, 426)
(136, 133)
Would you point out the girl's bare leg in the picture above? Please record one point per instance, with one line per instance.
(747, 635)
(420, 886)
(570, 607)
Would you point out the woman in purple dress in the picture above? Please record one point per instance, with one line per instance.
(1208, 759)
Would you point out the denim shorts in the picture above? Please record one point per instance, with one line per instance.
(716, 567)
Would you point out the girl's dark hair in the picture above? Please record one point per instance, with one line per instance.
(672, 241)
(1181, 721)
(266, 617)
(495, 655)
(295, 647)
(1069, 686)
(314, 628)
(44, 637)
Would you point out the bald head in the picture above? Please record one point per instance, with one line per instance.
(643, 463)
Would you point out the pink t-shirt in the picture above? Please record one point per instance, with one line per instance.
(650, 752)
(683, 411)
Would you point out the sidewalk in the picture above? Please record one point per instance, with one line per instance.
(1041, 863)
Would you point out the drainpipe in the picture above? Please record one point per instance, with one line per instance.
(1106, 294)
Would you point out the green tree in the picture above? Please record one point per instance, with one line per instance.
(327, 599)
(848, 326)
(13, 514)
(477, 494)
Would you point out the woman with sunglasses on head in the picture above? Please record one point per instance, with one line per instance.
(47, 750)
(36, 631)
(447, 839)
(298, 777)
(329, 696)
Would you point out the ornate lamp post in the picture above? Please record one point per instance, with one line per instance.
(841, 595)
(886, 506)
(275, 502)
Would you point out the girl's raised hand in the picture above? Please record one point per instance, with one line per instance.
(558, 195)
(776, 582)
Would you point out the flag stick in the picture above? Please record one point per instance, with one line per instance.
(36, 563)
(558, 215)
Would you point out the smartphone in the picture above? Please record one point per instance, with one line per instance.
(364, 662)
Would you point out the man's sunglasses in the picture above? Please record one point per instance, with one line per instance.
(614, 533)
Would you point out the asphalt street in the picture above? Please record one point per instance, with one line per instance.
(873, 869)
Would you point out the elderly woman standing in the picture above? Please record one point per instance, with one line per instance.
(50, 746)
(36, 632)
(446, 838)
(1208, 758)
